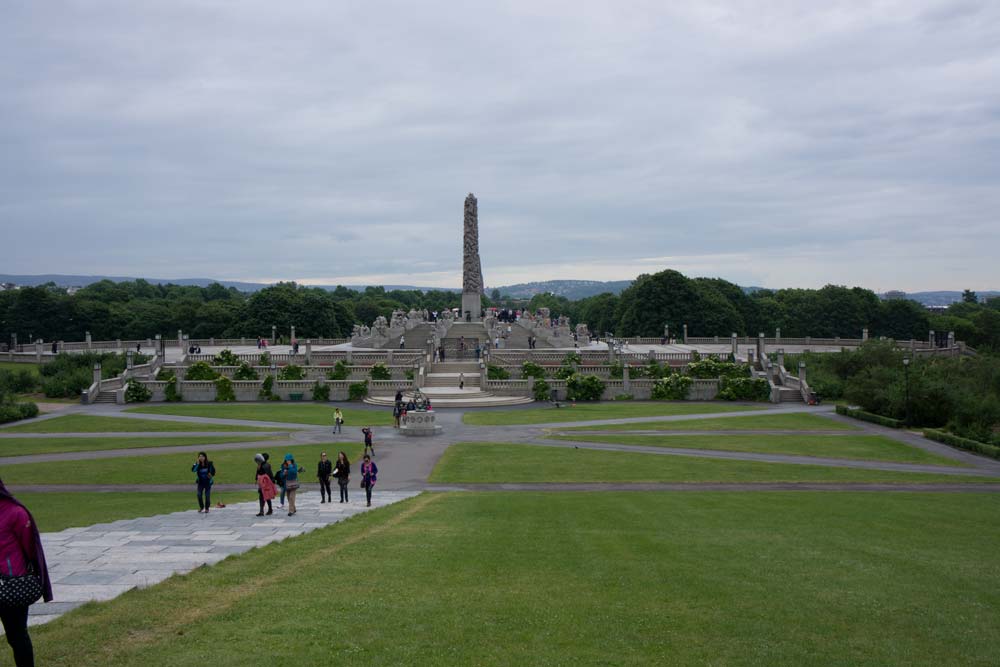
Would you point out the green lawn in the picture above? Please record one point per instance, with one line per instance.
(799, 421)
(301, 413)
(588, 411)
(55, 511)
(864, 447)
(497, 579)
(15, 366)
(25, 446)
(478, 462)
(96, 424)
(233, 466)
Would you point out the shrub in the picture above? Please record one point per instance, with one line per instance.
(616, 371)
(292, 372)
(540, 392)
(571, 359)
(18, 381)
(409, 374)
(962, 443)
(265, 359)
(200, 371)
(164, 374)
(321, 392)
(744, 389)
(380, 372)
(68, 384)
(584, 388)
(340, 371)
(624, 397)
(656, 370)
(137, 393)
(563, 373)
(267, 389)
(869, 417)
(245, 372)
(674, 387)
(226, 358)
(224, 389)
(531, 369)
(170, 392)
(10, 412)
(497, 372)
(707, 369)
(357, 390)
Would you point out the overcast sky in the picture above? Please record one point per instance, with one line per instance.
(769, 143)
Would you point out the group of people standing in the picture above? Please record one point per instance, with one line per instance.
(285, 482)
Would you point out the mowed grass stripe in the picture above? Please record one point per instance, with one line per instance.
(589, 411)
(495, 463)
(320, 414)
(57, 511)
(101, 424)
(855, 447)
(535, 579)
(798, 421)
(233, 466)
(27, 446)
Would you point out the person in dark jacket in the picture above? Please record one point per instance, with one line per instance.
(369, 475)
(20, 552)
(369, 440)
(265, 483)
(204, 471)
(342, 471)
(323, 472)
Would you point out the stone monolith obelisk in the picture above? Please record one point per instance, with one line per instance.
(472, 269)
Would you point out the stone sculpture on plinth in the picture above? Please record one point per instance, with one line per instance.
(472, 269)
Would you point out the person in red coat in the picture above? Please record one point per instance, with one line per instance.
(20, 554)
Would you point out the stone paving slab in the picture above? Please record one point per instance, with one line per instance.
(103, 561)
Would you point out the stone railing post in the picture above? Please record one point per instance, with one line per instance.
(97, 373)
(531, 385)
(129, 359)
(864, 334)
(180, 340)
(761, 347)
(274, 334)
(930, 338)
(781, 358)
(90, 342)
(802, 371)
(734, 345)
(293, 334)
(685, 334)
(309, 352)
(777, 335)
(951, 339)
(626, 380)
(38, 350)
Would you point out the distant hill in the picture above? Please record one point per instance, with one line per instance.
(82, 281)
(944, 297)
(571, 289)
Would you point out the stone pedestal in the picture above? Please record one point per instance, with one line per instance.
(473, 304)
(419, 423)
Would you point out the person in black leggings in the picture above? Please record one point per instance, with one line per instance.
(323, 472)
(20, 547)
(369, 475)
(342, 471)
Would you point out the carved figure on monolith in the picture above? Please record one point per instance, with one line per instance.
(472, 270)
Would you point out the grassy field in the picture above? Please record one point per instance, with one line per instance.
(301, 413)
(788, 422)
(25, 446)
(588, 411)
(233, 466)
(502, 463)
(100, 424)
(491, 579)
(55, 511)
(14, 366)
(863, 447)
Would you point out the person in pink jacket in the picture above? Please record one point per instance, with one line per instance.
(20, 554)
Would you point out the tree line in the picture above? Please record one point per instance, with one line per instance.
(709, 307)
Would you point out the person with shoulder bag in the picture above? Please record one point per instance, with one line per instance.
(369, 475)
(24, 577)
(266, 489)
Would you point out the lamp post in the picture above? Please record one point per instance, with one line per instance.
(906, 374)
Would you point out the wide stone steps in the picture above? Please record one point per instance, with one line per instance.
(105, 397)
(450, 380)
(468, 399)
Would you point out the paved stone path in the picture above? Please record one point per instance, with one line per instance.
(102, 561)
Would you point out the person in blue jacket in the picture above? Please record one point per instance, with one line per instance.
(292, 471)
(204, 471)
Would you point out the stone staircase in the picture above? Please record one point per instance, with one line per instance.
(518, 338)
(441, 386)
(105, 397)
(414, 339)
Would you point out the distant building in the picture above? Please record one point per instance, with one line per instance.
(73, 289)
(893, 295)
(6, 287)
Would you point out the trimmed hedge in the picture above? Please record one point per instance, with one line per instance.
(869, 417)
(584, 388)
(962, 443)
(497, 372)
(10, 412)
(672, 388)
(321, 392)
(137, 393)
(541, 390)
(224, 389)
(357, 391)
(381, 372)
